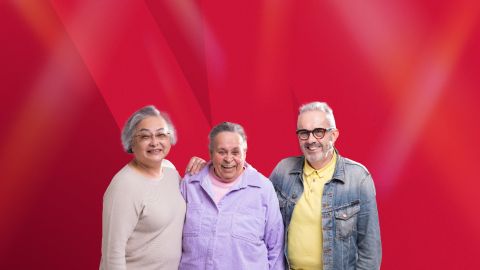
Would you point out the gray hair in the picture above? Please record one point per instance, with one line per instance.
(226, 127)
(322, 107)
(132, 122)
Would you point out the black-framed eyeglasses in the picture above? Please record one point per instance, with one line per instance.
(318, 133)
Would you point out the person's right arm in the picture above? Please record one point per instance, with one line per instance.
(120, 215)
(195, 165)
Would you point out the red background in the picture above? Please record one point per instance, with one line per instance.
(401, 76)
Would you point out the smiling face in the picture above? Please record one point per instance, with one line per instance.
(317, 151)
(151, 141)
(228, 155)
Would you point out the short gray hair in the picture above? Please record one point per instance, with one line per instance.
(322, 107)
(132, 122)
(226, 127)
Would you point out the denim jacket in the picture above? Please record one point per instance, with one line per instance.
(351, 232)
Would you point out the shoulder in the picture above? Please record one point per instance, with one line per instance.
(285, 167)
(354, 174)
(124, 178)
(171, 173)
(261, 186)
(125, 184)
(351, 166)
(188, 179)
(167, 164)
(290, 161)
(257, 179)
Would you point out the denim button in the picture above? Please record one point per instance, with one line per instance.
(294, 196)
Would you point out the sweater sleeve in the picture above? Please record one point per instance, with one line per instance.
(121, 211)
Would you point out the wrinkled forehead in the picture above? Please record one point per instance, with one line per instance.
(152, 124)
(312, 119)
(228, 140)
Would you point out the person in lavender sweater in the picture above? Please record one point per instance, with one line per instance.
(233, 219)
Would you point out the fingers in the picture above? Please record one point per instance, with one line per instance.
(195, 165)
(189, 165)
(198, 165)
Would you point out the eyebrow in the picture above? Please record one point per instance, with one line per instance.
(146, 129)
(225, 149)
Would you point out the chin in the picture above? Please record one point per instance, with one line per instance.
(155, 160)
(316, 158)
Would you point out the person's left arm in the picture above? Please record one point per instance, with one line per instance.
(368, 241)
(274, 233)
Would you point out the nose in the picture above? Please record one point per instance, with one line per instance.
(228, 158)
(311, 138)
(154, 141)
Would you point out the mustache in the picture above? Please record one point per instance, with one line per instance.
(317, 144)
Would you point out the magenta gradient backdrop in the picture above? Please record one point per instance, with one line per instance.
(402, 77)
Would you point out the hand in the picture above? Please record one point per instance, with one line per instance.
(195, 165)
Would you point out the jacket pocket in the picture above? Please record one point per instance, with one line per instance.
(193, 219)
(248, 227)
(346, 219)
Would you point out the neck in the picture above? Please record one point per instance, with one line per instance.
(149, 170)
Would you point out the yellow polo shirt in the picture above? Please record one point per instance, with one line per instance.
(305, 229)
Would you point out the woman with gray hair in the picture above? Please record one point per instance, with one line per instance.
(143, 210)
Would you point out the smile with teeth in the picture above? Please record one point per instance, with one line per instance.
(227, 167)
(154, 151)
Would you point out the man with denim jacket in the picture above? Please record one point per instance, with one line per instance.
(327, 201)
